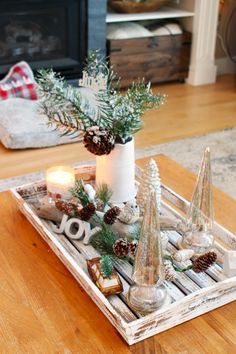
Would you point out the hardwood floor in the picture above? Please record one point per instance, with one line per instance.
(189, 111)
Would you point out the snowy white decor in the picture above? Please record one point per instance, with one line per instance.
(94, 83)
(150, 180)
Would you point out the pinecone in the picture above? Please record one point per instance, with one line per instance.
(121, 247)
(66, 207)
(203, 262)
(99, 141)
(133, 245)
(170, 273)
(99, 204)
(87, 212)
(111, 215)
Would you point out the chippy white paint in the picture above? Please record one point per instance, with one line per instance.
(229, 264)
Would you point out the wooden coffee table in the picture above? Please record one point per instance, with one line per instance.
(44, 310)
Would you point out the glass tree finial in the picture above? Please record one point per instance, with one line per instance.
(148, 294)
(200, 215)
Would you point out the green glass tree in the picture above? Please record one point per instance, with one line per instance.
(199, 223)
(148, 293)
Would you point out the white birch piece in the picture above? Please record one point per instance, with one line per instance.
(204, 292)
(183, 255)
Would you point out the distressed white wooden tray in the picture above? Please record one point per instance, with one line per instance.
(191, 294)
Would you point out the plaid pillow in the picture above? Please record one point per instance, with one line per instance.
(19, 82)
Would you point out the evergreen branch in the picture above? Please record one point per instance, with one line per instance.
(79, 192)
(103, 240)
(120, 114)
(61, 102)
(104, 193)
(128, 109)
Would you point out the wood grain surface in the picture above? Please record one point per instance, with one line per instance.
(44, 310)
(189, 111)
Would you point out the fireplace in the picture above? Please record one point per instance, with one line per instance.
(49, 33)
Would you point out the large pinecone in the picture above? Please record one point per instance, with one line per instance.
(87, 212)
(66, 207)
(99, 141)
(203, 262)
(111, 215)
(121, 247)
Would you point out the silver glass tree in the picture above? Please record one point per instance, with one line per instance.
(199, 222)
(148, 293)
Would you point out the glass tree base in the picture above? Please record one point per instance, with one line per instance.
(146, 299)
(198, 241)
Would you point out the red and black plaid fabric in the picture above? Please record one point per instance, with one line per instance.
(19, 82)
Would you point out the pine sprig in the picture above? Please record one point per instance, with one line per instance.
(103, 240)
(62, 103)
(79, 192)
(106, 266)
(103, 193)
(129, 108)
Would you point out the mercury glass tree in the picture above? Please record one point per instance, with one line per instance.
(150, 179)
(148, 293)
(199, 236)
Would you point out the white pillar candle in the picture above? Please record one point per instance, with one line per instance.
(60, 180)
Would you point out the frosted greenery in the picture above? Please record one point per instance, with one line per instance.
(119, 113)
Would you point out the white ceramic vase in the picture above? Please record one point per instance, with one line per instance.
(117, 170)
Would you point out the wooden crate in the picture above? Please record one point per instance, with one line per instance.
(156, 59)
(191, 294)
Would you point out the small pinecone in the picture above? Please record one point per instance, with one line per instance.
(99, 204)
(111, 215)
(203, 262)
(170, 273)
(99, 141)
(66, 207)
(87, 212)
(133, 245)
(121, 247)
